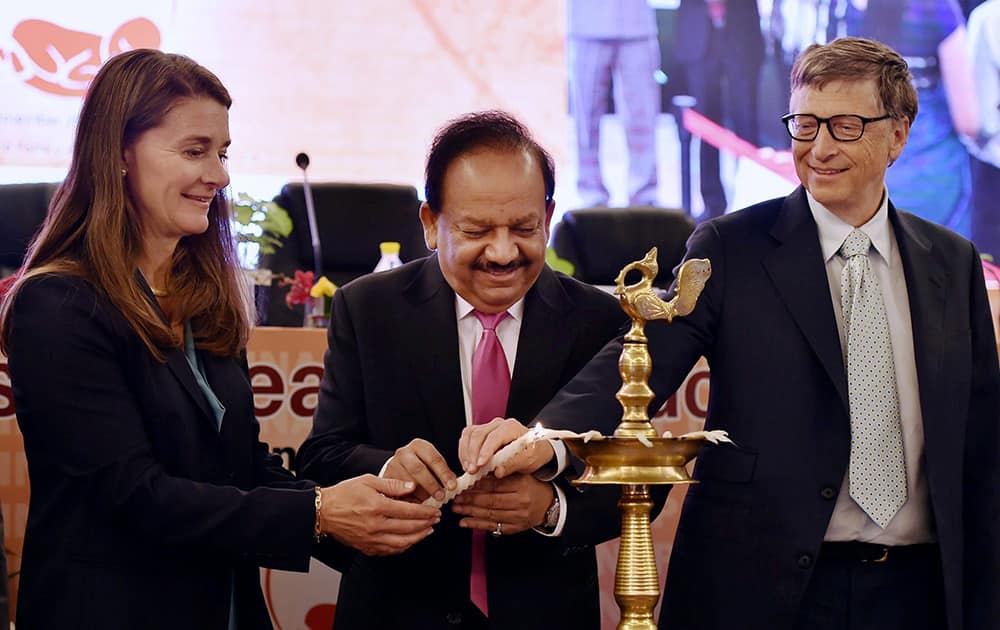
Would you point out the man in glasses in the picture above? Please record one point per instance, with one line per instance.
(854, 364)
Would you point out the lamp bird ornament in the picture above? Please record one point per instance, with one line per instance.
(640, 301)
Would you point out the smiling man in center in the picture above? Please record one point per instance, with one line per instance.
(481, 329)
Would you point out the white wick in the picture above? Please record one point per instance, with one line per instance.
(715, 437)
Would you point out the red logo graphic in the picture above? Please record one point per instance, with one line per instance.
(320, 617)
(62, 61)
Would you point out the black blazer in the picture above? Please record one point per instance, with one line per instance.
(142, 513)
(392, 375)
(750, 531)
(740, 39)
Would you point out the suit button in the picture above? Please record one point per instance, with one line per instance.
(828, 493)
(805, 561)
(454, 618)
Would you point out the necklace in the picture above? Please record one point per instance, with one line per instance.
(156, 292)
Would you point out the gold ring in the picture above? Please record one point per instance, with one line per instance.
(498, 532)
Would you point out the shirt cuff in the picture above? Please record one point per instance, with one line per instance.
(562, 515)
(381, 472)
(550, 471)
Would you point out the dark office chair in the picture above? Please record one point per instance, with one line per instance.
(22, 210)
(352, 219)
(600, 241)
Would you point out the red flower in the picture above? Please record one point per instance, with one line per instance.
(7, 283)
(298, 292)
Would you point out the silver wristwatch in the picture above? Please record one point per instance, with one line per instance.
(552, 514)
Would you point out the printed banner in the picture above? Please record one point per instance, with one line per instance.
(359, 86)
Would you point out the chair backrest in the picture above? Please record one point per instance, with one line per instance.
(351, 219)
(600, 241)
(22, 210)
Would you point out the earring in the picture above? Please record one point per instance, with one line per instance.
(124, 171)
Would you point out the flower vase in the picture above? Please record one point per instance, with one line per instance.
(260, 280)
(317, 312)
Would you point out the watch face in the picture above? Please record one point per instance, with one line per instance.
(552, 514)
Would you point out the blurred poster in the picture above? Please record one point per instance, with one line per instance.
(48, 56)
(360, 86)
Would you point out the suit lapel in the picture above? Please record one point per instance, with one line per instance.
(431, 331)
(177, 362)
(232, 386)
(796, 268)
(545, 341)
(926, 287)
(181, 370)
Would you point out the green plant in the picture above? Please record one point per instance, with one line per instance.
(557, 263)
(271, 221)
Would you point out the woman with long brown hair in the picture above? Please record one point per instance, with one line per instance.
(152, 501)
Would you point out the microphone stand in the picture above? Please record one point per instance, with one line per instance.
(302, 160)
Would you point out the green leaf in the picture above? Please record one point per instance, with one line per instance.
(274, 222)
(558, 264)
(283, 221)
(242, 214)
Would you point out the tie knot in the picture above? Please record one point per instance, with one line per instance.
(490, 320)
(857, 243)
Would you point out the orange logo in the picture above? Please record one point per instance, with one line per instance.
(61, 61)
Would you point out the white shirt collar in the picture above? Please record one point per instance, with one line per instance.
(833, 230)
(463, 309)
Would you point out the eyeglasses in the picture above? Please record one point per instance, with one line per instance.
(843, 127)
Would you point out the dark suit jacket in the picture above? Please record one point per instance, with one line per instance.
(750, 531)
(741, 38)
(142, 512)
(392, 375)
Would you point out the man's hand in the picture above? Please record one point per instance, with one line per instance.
(518, 502)
(359, 513)
(422, 464)
(479, 442)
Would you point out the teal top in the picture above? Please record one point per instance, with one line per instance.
(194, 360)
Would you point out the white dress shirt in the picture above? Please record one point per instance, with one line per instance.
(912, 524)
(509, 333)
(470, 330)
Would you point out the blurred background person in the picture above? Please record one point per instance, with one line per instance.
(931, 178)
(722, 47)
(153, 504)
(614, 42)
(984, 44)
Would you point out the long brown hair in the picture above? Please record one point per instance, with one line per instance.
(92, 229)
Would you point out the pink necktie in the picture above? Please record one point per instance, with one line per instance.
(490, 389)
